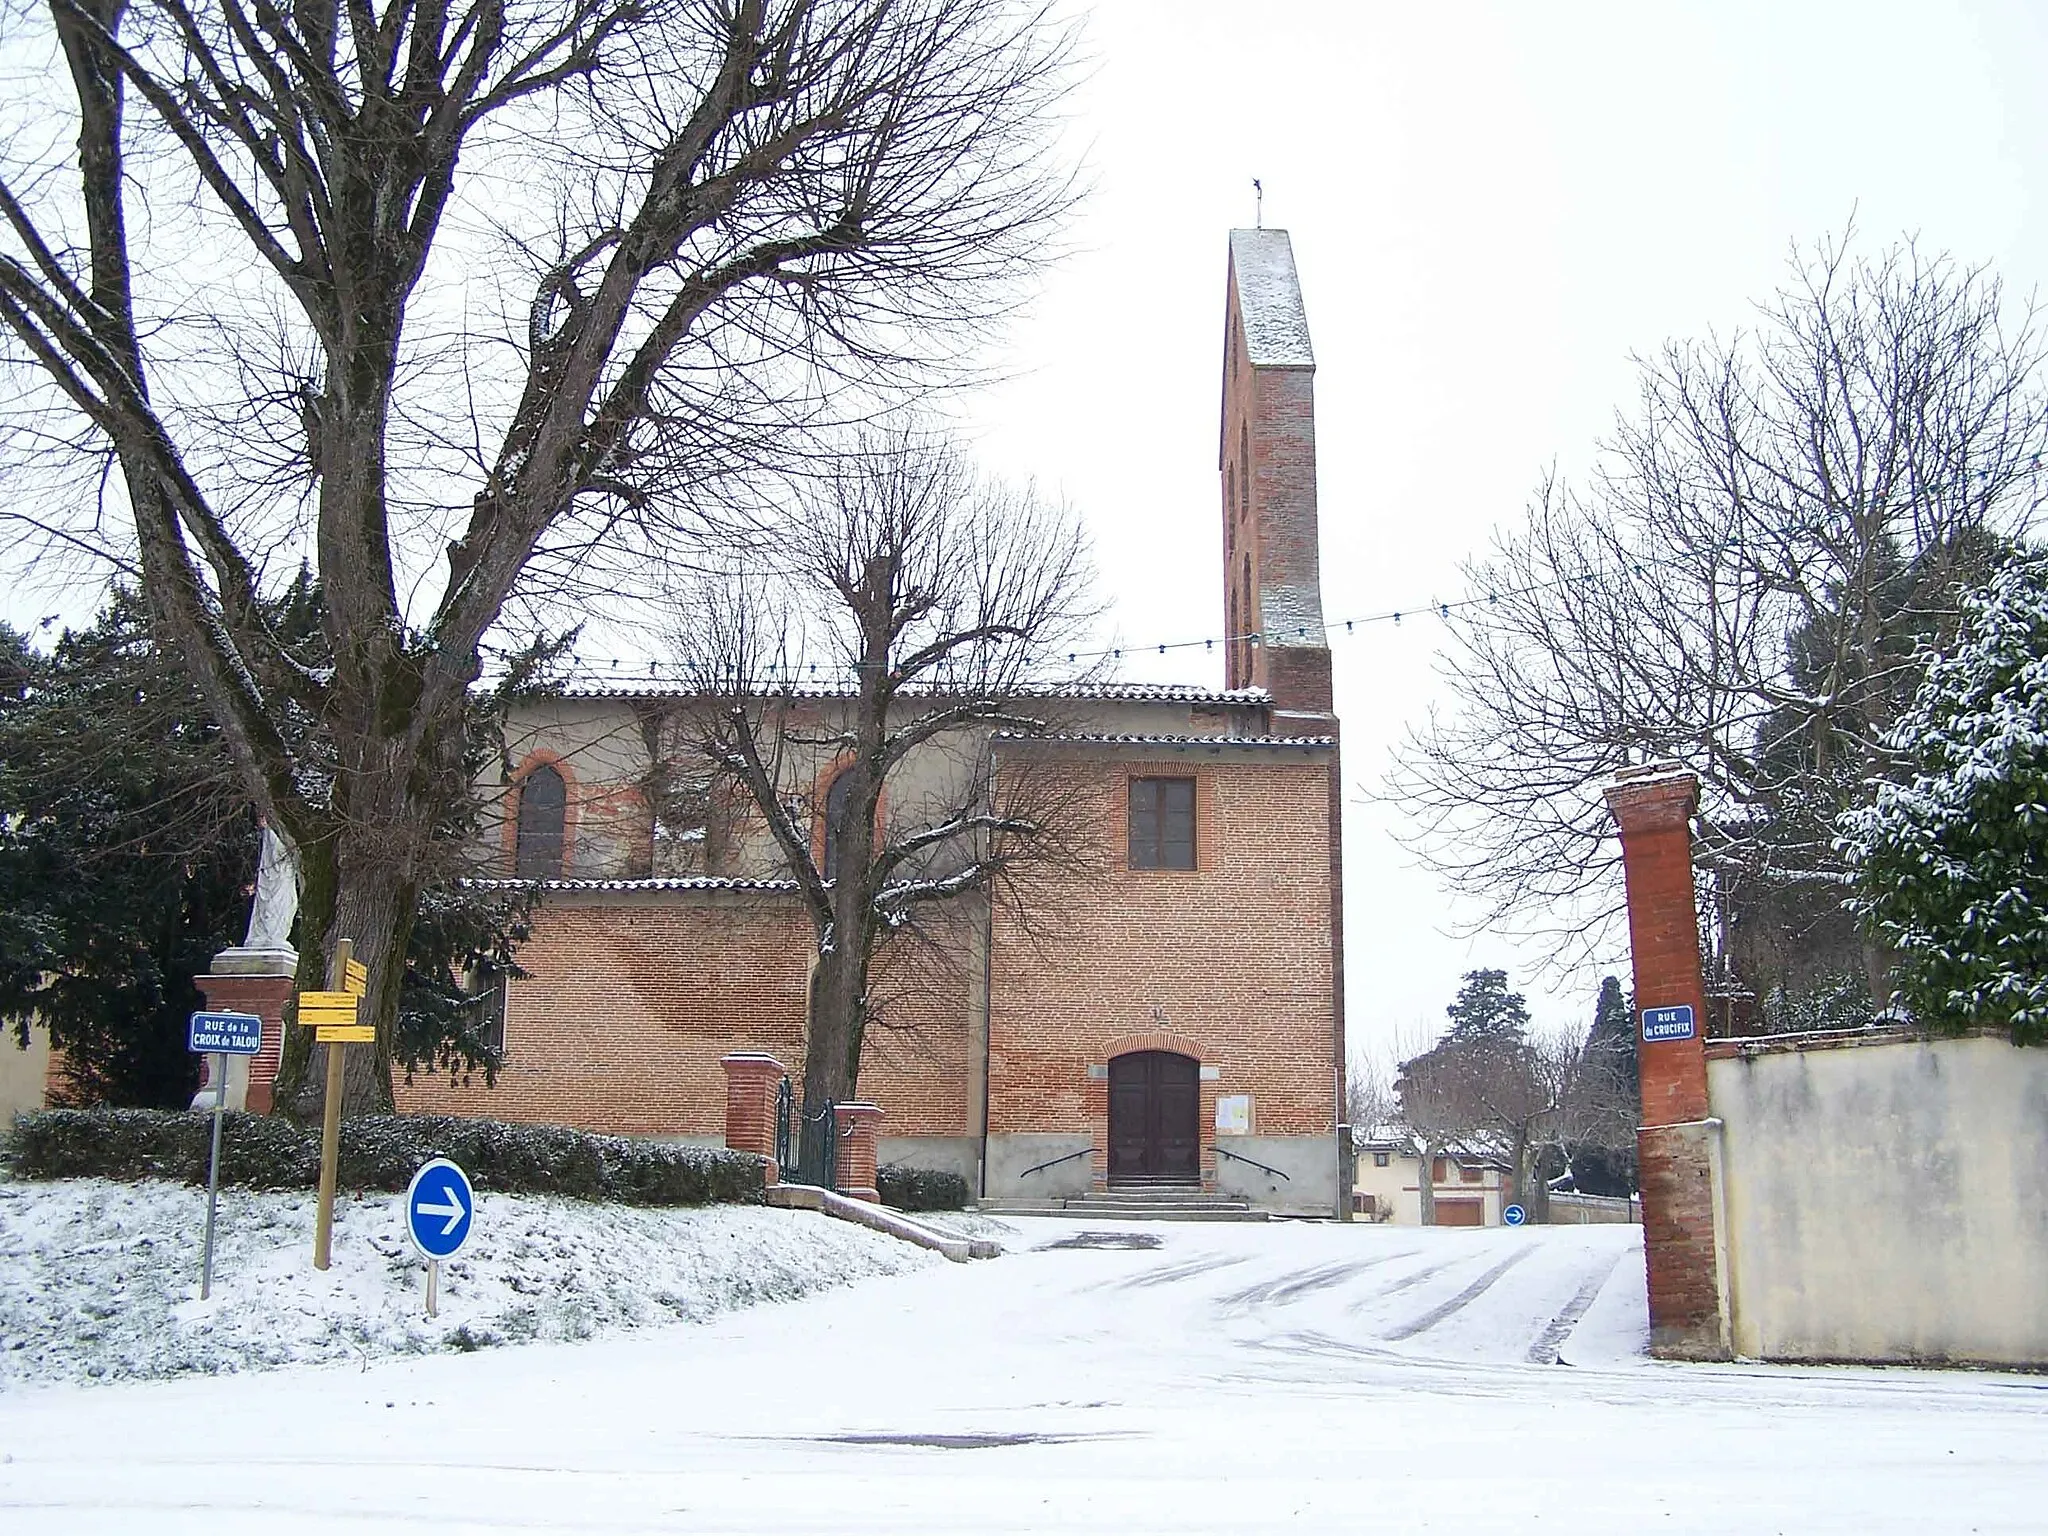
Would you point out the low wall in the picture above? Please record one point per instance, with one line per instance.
(1590, 1210)
(942, 1154)
(1884, 1198)
(1306, 1181)
(1011, 1159)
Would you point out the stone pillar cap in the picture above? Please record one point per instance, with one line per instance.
(750, 1059)
(240, 961)
(858, 1107)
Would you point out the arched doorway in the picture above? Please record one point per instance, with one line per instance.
(1155, 1118)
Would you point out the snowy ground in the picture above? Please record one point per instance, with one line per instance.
(100, 1281)
(1230, 1379)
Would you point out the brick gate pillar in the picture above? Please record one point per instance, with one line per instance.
(859, 1132)
(751, 1079)
(257, 981)
(1678, 1142)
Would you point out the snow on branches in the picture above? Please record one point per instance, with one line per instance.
(1953, 862)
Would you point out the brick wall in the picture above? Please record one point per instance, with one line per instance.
(1230, 962)
(635, 997)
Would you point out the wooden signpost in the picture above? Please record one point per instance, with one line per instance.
(332, 1016)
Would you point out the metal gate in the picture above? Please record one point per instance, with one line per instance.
(806, 1145)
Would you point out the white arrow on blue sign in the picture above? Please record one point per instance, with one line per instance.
(229, 1034)
(438, 1206)
(1514, 1215)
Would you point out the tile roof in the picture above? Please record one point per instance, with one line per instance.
(1269, 743)
(667, 883)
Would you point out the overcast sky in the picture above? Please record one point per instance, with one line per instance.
(1491, 207)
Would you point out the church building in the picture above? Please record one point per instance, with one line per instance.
(1178, 1020)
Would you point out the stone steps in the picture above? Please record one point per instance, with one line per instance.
(1158, 1204)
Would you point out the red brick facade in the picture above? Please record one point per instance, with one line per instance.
(636, 996)
(1230, 963)
(645, 986)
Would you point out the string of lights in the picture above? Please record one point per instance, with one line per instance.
(630, 670)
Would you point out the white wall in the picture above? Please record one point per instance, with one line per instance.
(1887, 1200)
(22, 1072)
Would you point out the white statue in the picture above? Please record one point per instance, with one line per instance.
(266, 952)
(277, 894)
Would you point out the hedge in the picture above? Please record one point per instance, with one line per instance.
(920, 1189)
(379, 1152)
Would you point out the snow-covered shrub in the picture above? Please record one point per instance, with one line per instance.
(1952, 865)
(379, 1153)
(920, 1189)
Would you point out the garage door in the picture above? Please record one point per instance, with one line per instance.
(1460, 1213)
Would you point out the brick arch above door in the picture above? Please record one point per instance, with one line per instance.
(1153, 1040)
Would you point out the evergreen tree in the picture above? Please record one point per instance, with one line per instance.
(126, 850)
(1952, 862)
(1604, 1162)
(1486, 1010)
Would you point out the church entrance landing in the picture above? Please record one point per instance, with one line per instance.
(1155, 1119)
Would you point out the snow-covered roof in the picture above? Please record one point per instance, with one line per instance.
(1269, 299)
(1471, 1152)
(1271, 743)
(1163, 693)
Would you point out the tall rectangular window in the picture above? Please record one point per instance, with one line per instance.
(1162, 823)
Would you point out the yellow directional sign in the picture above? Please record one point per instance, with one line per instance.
(345, 1000)
(345, 1034)
(356, 978)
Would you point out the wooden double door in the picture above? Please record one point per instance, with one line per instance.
(1155, 1119)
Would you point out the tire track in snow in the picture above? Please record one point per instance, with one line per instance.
(1463, 1299)
(1292, 1287)
(1169, 1274)
(1550, 1343)
(1407, 1282)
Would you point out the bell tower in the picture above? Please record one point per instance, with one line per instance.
(1266, 458)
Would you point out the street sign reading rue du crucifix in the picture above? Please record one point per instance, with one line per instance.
(1668, 1023)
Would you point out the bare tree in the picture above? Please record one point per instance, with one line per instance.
(935, 608)
(1740, 586)
(470, 306)
(1370, 1102)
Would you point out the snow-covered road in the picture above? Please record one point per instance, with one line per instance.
(1230, 1379)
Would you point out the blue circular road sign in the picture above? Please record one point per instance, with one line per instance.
(1514, 1215)
(438, 1206)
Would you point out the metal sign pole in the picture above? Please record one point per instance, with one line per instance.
(220, 1104)
(433, 1287)
(330, 1122)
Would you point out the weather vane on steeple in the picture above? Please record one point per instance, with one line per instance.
(1258, 204)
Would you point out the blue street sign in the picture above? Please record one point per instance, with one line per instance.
(1668, 1023)
(1514, 1215)
(438, 1207)
(231, 1034)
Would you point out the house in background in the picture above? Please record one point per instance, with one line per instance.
(1470, 1183)
(1169, 1014)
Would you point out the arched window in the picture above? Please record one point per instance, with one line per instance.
(543, 803)
(835, 816)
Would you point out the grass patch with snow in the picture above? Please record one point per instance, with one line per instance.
(99, 1281)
